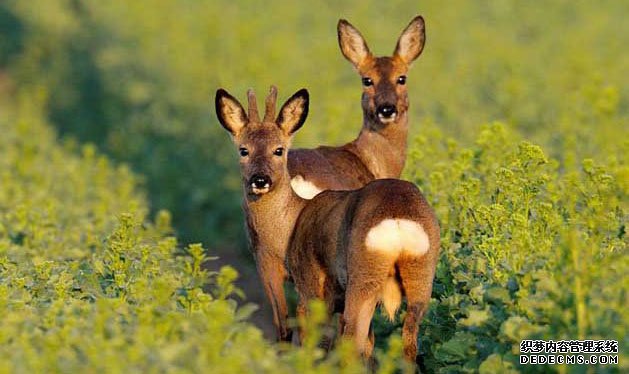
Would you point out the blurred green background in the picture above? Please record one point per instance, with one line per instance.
(534, 237)
(138, 78)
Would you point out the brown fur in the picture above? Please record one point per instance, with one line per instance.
(329, 242)
(379, 151)
(270, 216)
(324, 239)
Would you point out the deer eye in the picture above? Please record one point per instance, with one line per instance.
(243, 152)
(279, 151)
(401, 79)
(367, 82)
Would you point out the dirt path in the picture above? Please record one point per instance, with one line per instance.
(249, 282)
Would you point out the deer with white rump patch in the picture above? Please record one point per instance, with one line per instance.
(352, 249)
(379, 151)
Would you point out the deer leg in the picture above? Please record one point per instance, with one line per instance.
(329, 294)
(371, 341)
(369, 344)
(367, 275)
(273, 276)
(302, 312)
(359, 309)
(416, 275)
(309, 287)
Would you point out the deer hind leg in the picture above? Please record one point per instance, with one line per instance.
(373, 254)
(371, 338)
(416, 274)
(359, 309)
(366, 279)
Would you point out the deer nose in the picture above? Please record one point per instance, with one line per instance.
(260, 181)
(386, 110)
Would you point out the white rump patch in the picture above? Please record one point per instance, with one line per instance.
(395, 236)
(304, 188)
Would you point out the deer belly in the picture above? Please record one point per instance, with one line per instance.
(396, 236)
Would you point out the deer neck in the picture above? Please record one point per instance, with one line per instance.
(271, 219)
(382, 148)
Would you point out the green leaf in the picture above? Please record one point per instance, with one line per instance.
(476, 318)
(494, 364)
(457, 349)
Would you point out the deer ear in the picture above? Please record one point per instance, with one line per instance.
(230, 113)
(294, 112)
(352, 44)
(411, 43)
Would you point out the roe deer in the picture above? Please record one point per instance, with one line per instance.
(379, 151)
(270, 205)
(352, 249)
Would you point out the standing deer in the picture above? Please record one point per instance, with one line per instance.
(352, 249)
(380, 149)
(270, 205)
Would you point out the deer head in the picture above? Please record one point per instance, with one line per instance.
(384, 96)
(262, 144)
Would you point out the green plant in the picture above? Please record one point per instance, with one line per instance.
(533, 207)
(87, 283)
(516, 231)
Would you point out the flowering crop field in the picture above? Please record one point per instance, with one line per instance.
(112, 165)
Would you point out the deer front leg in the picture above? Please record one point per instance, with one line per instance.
(311, 283)
(273, 274)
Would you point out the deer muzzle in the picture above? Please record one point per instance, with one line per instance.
(386, 113)
(260, 184)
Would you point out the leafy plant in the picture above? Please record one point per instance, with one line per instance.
(529, 252)
(88, 283)
(532, 204)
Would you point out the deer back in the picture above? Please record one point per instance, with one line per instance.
(343, 234)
